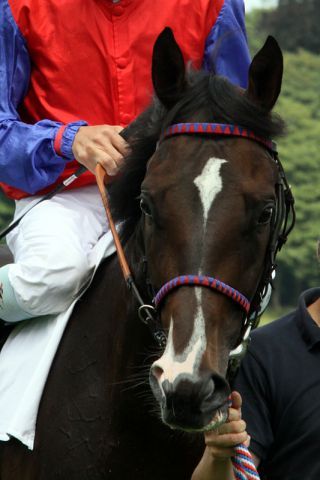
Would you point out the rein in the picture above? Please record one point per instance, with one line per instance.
(48, 196)
(146, 312)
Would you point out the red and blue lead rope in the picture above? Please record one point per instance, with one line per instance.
(243, 466)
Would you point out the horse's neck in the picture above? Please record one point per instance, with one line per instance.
(119, 342)
(103, 351)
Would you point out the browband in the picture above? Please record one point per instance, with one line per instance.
(217, 129)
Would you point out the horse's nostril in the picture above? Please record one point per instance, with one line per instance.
(214, 393)
(209, 390)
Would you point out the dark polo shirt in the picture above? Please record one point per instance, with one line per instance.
(279, 381)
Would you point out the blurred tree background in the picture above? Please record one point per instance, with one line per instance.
(296, 26)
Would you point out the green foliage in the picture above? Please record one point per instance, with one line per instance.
(299, 105)
(300, 154)
(256, 37)
(295, 24)
(6, 211)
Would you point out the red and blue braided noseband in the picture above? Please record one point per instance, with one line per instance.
(202, 281)
(217, 129)
(243, 466)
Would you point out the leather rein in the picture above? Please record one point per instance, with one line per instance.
(281, 227)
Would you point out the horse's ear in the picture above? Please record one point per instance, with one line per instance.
(265, 74)
(168, 70)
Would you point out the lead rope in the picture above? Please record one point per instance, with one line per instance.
(243, 466)
(242, 463)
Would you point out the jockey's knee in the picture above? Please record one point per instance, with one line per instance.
(49, 290)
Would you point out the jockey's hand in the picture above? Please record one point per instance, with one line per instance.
(100, 144)
(221, 442)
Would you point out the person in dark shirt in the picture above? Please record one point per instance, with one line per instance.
(279, 382)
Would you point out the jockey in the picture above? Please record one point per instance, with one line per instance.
(73, 74)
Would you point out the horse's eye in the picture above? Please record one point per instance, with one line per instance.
(266, 215)
(145, 207)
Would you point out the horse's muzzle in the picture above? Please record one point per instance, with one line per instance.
(192, 405)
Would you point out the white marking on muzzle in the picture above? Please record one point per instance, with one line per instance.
(186, 363)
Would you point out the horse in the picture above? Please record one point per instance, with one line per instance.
(117, 405)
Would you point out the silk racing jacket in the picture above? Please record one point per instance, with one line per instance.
(68, 63)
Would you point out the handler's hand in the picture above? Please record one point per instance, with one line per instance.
(221, 442)
(100, 144)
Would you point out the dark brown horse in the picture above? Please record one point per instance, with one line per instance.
(207, 208)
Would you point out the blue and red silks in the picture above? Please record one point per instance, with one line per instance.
(68, 63)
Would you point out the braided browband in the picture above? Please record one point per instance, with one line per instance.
(202, 281)
(217, 129)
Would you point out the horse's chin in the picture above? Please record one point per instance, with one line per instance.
(219, 418)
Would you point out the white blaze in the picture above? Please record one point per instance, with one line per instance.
(209, 184)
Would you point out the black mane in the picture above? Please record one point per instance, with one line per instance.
(208, 98)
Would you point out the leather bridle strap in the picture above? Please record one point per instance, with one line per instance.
(146, 312)
(100, 177)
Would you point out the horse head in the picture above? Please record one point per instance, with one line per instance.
(209, 206)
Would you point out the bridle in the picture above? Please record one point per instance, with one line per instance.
(282, 222)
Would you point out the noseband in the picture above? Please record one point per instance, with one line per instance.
(280, 229)
(202, 281)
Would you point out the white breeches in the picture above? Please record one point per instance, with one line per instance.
(51, 248)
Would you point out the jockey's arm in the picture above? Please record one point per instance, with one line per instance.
(32, 156)
(226, 50)
(29, 159)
